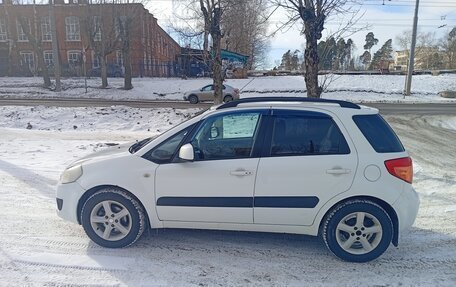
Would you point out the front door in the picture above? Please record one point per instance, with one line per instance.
(218, 185)
(307, 160)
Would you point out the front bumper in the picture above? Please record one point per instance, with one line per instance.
(406, 208)
(68, 196)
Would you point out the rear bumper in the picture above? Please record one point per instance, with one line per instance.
(406, 208)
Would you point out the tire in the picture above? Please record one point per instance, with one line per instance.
(125, 219)
(363, 226)
(227, 98)
(193, 99)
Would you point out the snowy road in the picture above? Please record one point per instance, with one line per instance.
(39, 249)
(385, 108)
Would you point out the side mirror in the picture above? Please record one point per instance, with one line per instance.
(186, 152)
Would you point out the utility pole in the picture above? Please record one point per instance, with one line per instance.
(411, 63)
(55, 48)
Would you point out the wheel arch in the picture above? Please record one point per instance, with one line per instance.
(193, 95)
(228, 95)
(95, 189)
(386, 206)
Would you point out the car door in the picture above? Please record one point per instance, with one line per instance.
(207, 93)
(308, 159)
(218, 185)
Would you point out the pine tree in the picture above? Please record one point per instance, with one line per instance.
(370, 41)
(382, 56)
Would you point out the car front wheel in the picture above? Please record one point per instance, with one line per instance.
(112, 218)
(358, 231)
(193, 99)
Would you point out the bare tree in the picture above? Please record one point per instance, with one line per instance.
(11, 42)
(212, 12)
(207, 16)
(314, 14)
(100, 29)
(448, 44)
(30, 29)
(245, 29)
(426, 51)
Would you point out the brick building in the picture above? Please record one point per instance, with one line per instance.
(152, 51)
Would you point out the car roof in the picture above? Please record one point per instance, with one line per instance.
(297, 103)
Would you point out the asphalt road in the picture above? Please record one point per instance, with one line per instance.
(385, 108)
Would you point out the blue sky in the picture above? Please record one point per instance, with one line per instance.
(385, 21)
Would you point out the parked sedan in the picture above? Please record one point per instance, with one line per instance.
(206, 93)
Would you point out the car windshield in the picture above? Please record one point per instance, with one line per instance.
(142, 143)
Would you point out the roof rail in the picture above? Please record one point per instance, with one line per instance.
(343, 104)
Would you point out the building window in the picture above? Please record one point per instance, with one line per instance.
(97, 28)
(48, 58)
(72, 29)
(96, 61)
(74, 57)
(3, 34)
(46, 34)
(121, 27)
(27, 60)
(21, 36)
(119, 58)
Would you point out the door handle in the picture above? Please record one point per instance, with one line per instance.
(241, 172)
(337, 171)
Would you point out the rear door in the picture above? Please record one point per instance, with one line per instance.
(307, 159)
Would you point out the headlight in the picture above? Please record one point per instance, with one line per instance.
(71, 174)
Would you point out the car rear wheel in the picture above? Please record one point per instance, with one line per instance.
(358, 231)
(228, 98)
(193, 99)
(112, 218)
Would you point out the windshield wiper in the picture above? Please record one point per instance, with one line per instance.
(138, 145)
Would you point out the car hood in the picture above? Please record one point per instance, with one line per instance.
(104, 154)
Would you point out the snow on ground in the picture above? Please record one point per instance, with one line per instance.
(37, 248)
(358, 88)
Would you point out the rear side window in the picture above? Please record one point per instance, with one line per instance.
(296, 135)
(379, 134)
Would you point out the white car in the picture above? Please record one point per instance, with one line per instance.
(206, 93)
(290, 165)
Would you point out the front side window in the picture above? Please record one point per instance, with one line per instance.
(72, 29)
(226, 136)
(208, 88)
(165, 151)
(295, 135)
(46, 34)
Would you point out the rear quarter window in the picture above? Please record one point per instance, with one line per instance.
(379, 134)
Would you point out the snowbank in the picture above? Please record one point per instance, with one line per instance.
(358, 88)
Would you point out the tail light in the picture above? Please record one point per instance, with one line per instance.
(236, 91)
(401, 168)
